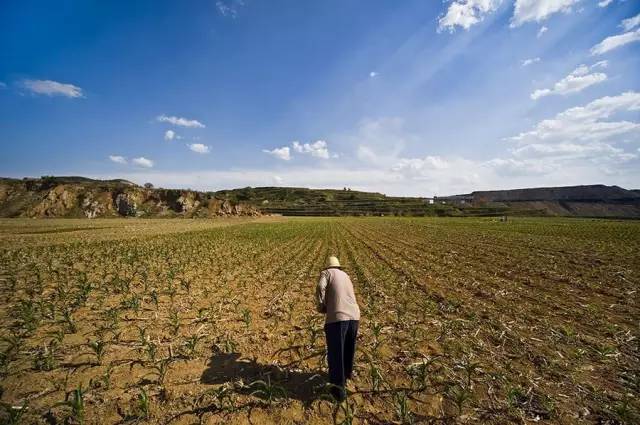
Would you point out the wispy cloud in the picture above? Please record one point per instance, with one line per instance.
(539, 10)
(52, 88)
(604, 3)
(3, 85)
(541, 31)
(143, 162)
(615, 41)
(630, 23)
(530, 61)
(283, 153)
(229, 8)
(578, 80)
(199, 148)
(118, 159)
(178, 121)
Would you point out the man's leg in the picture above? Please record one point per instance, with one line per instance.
(335, 334)
(350, 347)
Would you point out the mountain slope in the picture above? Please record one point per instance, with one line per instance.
(82, 197)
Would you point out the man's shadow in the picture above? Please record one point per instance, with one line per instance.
(229, 367)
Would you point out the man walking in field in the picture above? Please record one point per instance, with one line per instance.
(336, 299)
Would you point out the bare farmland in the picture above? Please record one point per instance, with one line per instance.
(180, 321)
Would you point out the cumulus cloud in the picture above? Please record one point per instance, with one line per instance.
(118, 159)
(541, 31)
(604, 3)
(277, 180)
(282, 153)
(466, 13)
(373, 74)
(143, 162)
(316, 149)
(615, 41)
(538, 10)
(578, 80)
(630, 23)
(530, 61)
(169, 135)
(52, 88)
(199, 148)
(182, 122)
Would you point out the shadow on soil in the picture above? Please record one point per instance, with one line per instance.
(223, 368)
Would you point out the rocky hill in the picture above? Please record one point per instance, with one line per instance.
(83, 197)
(579, 201)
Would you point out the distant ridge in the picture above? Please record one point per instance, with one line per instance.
(76, 196)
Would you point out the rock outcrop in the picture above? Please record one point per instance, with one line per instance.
(81, 197)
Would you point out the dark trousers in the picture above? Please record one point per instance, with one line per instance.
(341, 349)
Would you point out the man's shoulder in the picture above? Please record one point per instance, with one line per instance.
(338, 273)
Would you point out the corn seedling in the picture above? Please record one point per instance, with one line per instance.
(69, 322)
(28, 315)
(45, 357)
(98, 347)
(174, 322)
(267, 391)
(246, 317)
(401, 407)
(191, 345)
(144, 404)
(13, 414)
(74, 400)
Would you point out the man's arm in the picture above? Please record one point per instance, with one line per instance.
(321, 290)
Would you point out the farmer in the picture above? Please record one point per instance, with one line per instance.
(336, 299)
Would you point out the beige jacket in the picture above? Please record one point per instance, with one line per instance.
(335, 296)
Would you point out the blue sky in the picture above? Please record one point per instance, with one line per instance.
(402, 97)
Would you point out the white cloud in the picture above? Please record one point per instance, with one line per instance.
(142, 162)
(199, 148)
(229, 8)
(604, 3)
(52, 88)
(541, 31)
(578, 80)
(531, 61)
(418, 165)
(277, 180)
(317, 149)
(373, 74)
(282, 153)
(182, 122)
(630, 23)
(571, 150)
(538, 10)
(587, 123)
(615, 41)
(169, 135)
(117, 158)
(466, 13)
